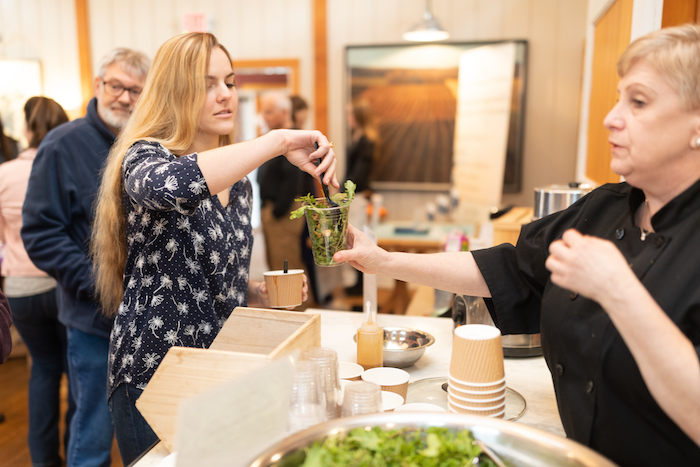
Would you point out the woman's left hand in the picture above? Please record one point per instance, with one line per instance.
(587, 265)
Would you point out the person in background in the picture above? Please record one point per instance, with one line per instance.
(5, 336)
(300, 112)
(57, 217)
(172, 239)
(363, 144)
(612, 281)
(32, 293)
(280, 183)
(360, 158)
(8, 146)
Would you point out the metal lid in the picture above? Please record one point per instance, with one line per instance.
(554, 198)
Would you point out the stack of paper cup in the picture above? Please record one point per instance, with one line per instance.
(477, 384)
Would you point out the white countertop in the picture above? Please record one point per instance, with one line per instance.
(528, 376)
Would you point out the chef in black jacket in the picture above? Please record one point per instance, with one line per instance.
(613, 282)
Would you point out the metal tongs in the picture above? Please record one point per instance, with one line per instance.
(329, 201)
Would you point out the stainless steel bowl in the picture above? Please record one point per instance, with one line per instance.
(404, 346)
(516, 444)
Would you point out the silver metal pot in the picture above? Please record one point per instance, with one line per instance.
(548, 200)
(554, 198)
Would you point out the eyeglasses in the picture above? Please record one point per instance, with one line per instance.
(115, 89)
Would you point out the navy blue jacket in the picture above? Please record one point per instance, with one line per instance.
(57, 215)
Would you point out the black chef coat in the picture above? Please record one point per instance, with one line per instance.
(602, 398)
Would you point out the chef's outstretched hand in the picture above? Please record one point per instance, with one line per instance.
(589, 266)
(361, 253)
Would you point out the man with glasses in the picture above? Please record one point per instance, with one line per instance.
(57, 217)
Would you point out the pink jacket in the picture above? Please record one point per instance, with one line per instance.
(14, 178)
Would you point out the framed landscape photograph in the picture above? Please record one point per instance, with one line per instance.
(412, 93)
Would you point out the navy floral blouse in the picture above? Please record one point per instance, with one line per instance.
(188, 261)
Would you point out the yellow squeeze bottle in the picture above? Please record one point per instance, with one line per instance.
(370, 343)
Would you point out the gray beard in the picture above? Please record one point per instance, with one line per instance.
(110, 119)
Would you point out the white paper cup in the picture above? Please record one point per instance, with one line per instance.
(391, 401)
(350, 371)
(390, 379)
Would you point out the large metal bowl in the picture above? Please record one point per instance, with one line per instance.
(404, 346)
(518, 445)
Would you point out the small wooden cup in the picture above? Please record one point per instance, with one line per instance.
(284, 290)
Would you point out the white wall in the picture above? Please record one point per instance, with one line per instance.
(555, 30)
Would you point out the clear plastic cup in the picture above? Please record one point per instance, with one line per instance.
(308, 399)
(327, 361)
(361, 397)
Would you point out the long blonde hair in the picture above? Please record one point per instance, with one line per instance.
(167, 112)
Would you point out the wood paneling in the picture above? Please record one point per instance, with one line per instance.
(678, 12)
(320, 65)
(82, 20)
(612, 36)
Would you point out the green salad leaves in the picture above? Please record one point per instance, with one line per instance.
(327, 227)
(407, 447)
(310, 201)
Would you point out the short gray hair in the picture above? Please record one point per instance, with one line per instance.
(134, 62)
(280, 98)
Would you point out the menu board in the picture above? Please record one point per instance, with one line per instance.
(484, 99)
(234, 422)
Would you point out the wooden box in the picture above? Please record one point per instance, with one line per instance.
(250, 338)
(506, 229)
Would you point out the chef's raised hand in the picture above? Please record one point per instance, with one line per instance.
(589, 266)
(361, 253)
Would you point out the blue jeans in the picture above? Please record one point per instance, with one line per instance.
(91, 428)
(134, 435)
(36, 320)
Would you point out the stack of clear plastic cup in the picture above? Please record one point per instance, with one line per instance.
(477, 383)
(361, 397)
(308, 400)
(327, 361)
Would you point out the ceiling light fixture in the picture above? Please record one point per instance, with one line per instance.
(428, 30)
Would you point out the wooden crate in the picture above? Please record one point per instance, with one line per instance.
(250, 338)
(506, 228)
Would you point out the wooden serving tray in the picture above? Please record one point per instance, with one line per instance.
(250, 338)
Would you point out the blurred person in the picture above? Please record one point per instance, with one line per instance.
(8, 146)
(57, 218)
(611, 282)
(31, 293)
(363, 144)
(5, 336)
(280, 183)
(172, 238)
(299, 112)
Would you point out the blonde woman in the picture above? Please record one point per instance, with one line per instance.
(172, 238)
